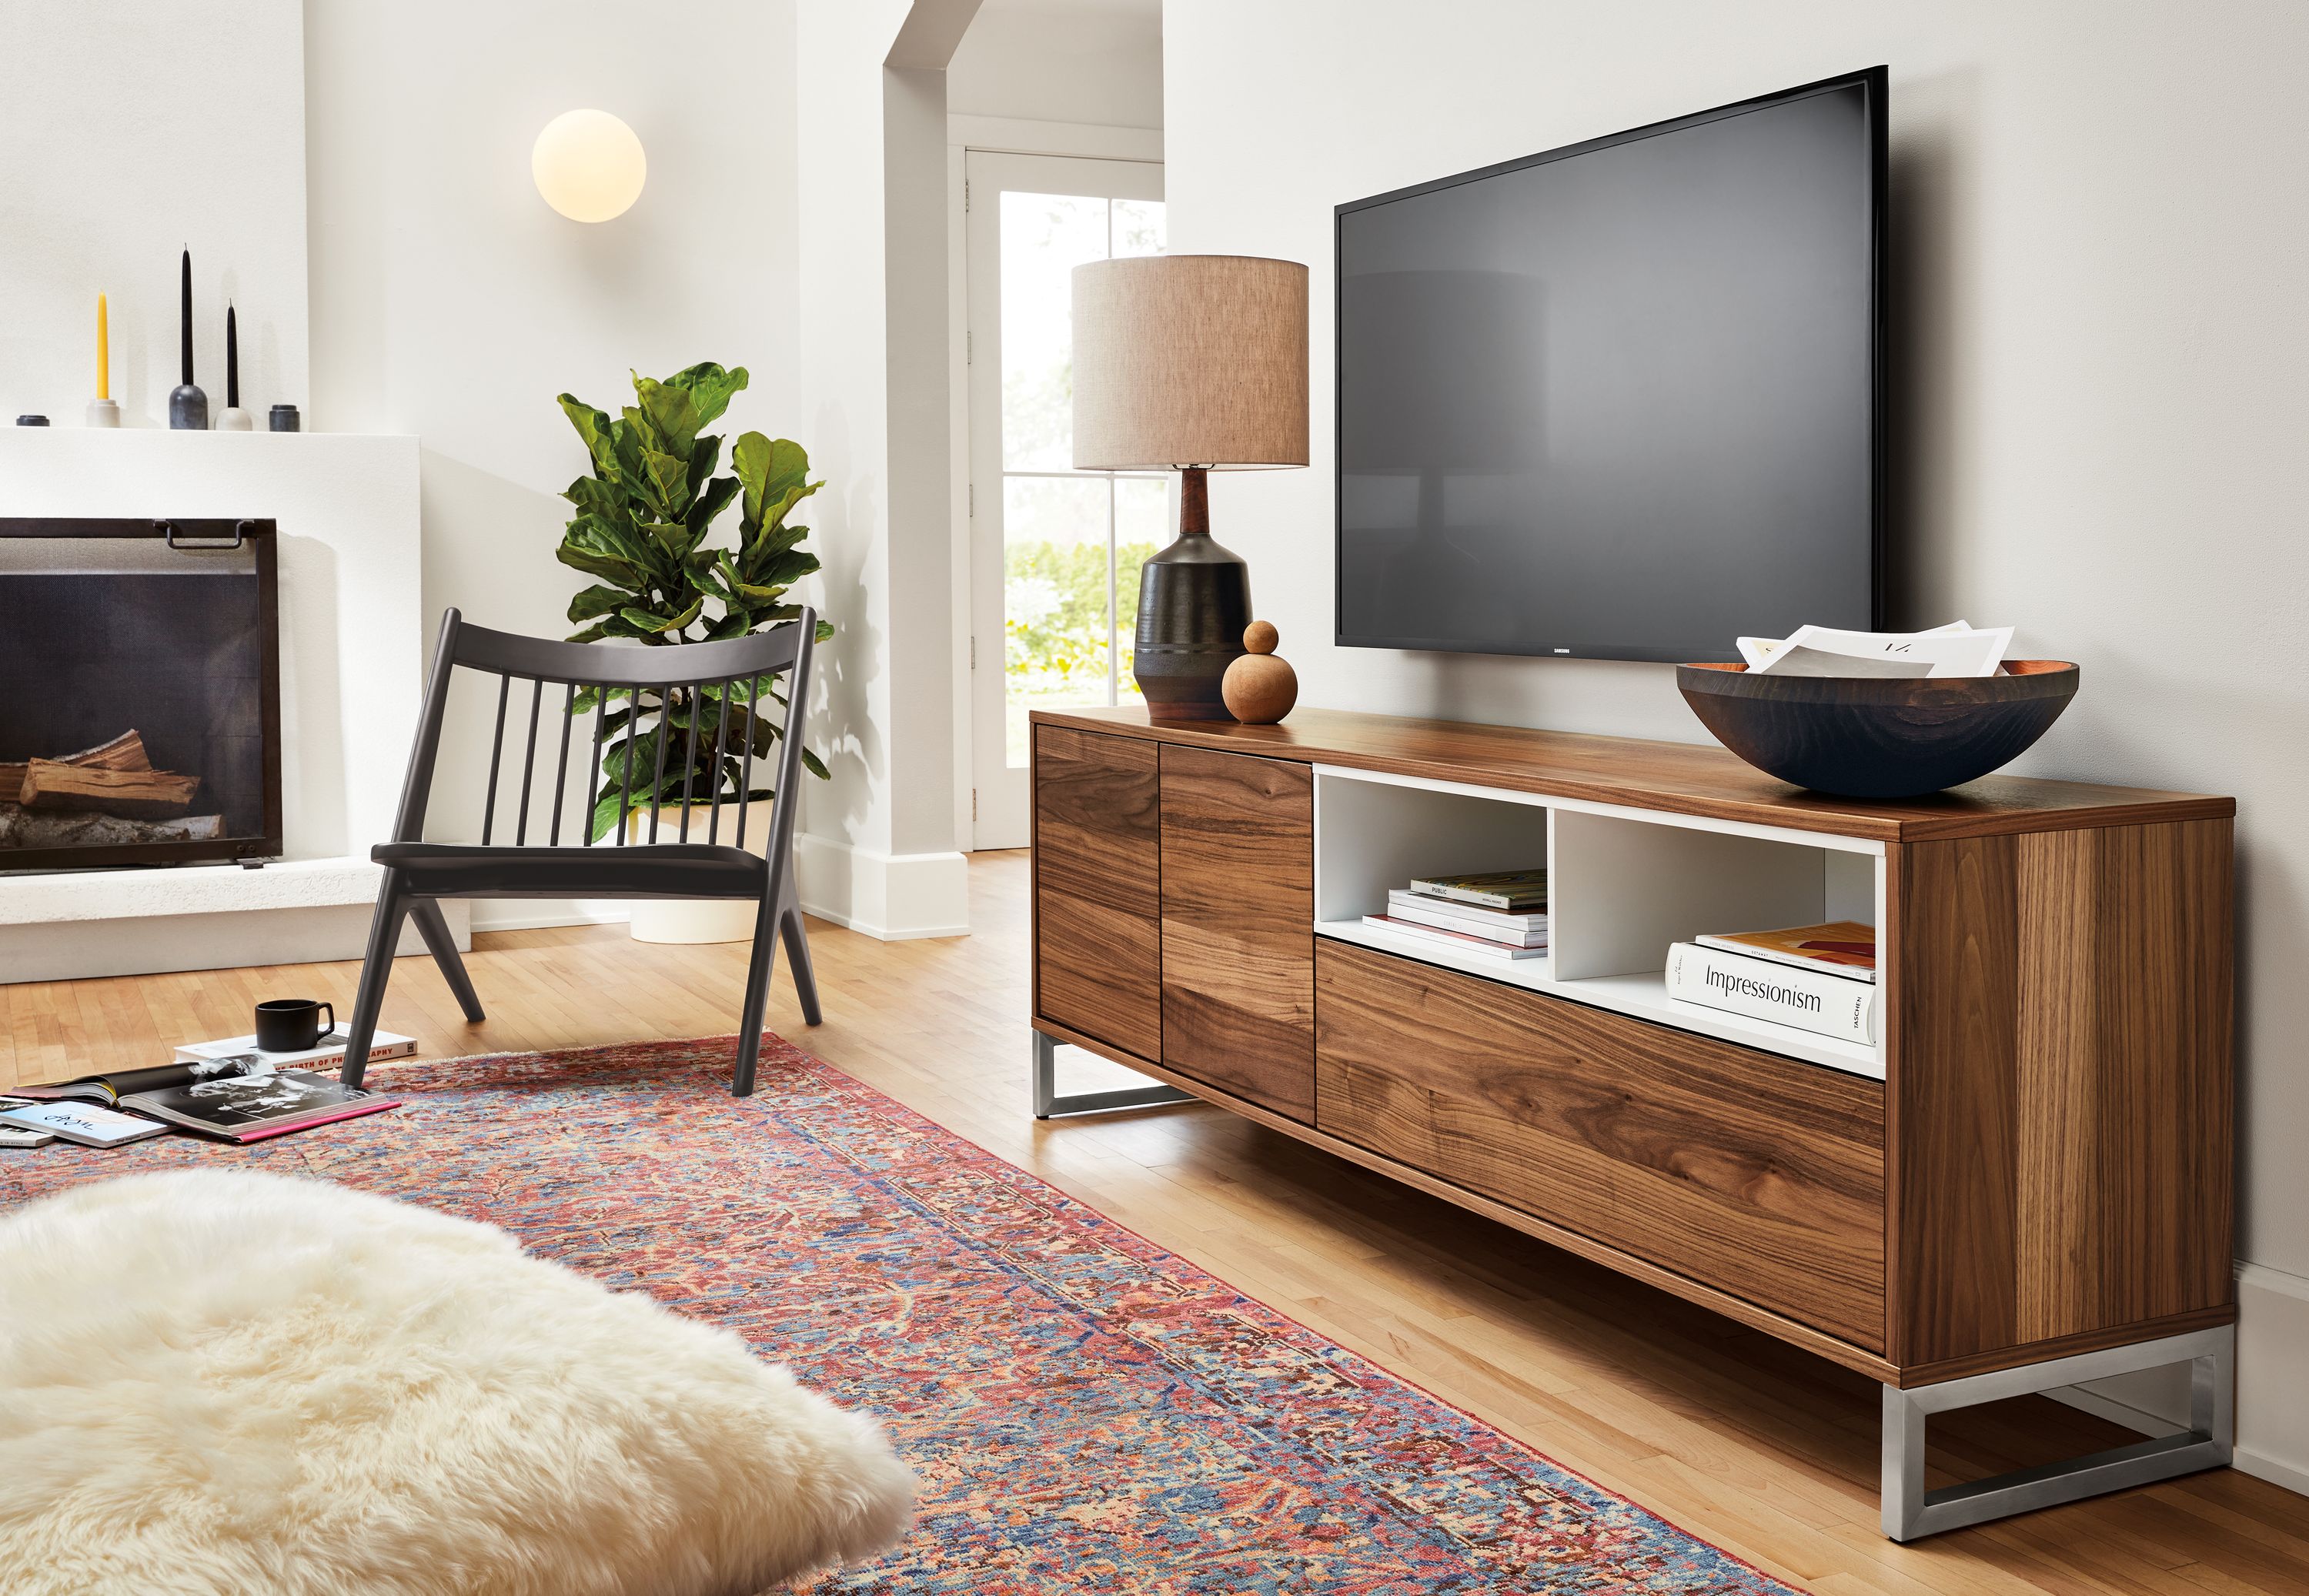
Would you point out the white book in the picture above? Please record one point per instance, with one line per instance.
(1826, 1004)
(1460, 940)
(1514, 931)
(384, 1045)
(83, 1123)
(1825, 650)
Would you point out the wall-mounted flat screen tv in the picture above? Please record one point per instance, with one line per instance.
(1623, 399)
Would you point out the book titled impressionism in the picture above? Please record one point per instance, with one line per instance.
(1517, 892)
(1841, 947)
(1826, 1004)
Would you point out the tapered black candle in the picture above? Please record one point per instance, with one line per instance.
(188, 407)
(185, 335)
(231, 358)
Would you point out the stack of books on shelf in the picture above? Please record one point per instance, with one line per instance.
(1821, 978)
(1499, 914)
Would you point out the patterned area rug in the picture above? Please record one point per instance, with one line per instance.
(1086, 1411)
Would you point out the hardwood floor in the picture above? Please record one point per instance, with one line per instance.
(1764, 1450)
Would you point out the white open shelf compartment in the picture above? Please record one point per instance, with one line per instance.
(1622, 885)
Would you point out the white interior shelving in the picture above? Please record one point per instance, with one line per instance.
(1622, 885)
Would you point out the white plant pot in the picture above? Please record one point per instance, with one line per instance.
(698, 919)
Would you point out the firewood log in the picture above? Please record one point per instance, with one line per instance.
(123, 753)
(64, 828)
(139, 795)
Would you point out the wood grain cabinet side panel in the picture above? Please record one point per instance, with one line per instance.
(1238, 857)
(1097, 887)
(2062, 1113)
(1759, 1175)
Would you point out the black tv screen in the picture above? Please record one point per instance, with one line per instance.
(1623, 399)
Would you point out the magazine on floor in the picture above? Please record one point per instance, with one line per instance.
(85, 1123)
(251, 1108)
(113, 1085)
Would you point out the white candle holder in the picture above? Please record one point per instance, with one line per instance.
(103, 412)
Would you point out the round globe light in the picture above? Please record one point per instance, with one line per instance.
(588, 165)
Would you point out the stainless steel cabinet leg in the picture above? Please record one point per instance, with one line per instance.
(1910, 1511)
(1047, 1100)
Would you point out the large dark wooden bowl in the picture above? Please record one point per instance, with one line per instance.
(1879, 736)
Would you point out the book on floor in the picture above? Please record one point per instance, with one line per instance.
(85, 1123)
(1827, 1004)
(1516, 930)
(1846, 948)
(384, 1045)
(250, 1107)
(113, 1085)
(1518, 892)
(1461, 940)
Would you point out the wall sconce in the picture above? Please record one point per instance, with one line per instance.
(588, 165)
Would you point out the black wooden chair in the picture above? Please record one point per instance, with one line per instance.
(708, 682)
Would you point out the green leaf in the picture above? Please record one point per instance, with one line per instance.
(815, 766)
(705, 505)
(711, 388)
(825, 632)
(595, 601)
(596, 496)
(592, 426)
(672, 413)
(647, 622)
(774, 473)
(621, 572)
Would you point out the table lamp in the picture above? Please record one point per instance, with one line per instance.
(1193, 363)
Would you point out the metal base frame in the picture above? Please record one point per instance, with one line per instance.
(1911, 1512)
(1048, 1101)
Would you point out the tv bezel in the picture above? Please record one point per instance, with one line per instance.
(1874, 82)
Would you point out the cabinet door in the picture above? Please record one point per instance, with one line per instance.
(1237, 925)
(1097, 945)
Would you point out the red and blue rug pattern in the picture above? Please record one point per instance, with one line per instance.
(1086, 1411)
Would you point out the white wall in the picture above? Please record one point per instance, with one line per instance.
(1090, 61)
(450, 302)
(2100, 354)
(130, 132)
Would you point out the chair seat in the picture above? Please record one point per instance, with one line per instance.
(650, 870)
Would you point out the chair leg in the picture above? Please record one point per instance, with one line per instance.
(435, 928)
(377, 969)
(797, 941)
(763, 959)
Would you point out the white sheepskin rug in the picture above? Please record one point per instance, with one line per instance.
(232, 1382)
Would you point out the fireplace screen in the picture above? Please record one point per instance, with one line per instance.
(140, 692)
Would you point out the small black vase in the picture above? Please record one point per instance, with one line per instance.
(1194, 600)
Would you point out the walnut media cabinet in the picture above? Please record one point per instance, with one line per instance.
(2024, 1183)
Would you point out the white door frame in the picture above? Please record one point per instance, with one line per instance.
(999, 790)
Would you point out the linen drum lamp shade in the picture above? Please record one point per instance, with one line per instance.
(1198, 363)
(589, 166)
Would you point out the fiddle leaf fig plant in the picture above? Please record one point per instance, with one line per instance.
(644, 516)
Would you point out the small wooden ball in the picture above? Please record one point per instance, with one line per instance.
(1258, 688)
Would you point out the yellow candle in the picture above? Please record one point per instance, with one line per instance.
(103, 352)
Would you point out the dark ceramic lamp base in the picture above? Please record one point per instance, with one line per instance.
(1194, 600)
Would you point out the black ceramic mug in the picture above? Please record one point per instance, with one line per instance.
(293, 1024)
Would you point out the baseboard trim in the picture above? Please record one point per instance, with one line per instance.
(889, 897)
(533, 914)
(2272, 1382)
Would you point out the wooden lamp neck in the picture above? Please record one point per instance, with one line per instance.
(1194, 502)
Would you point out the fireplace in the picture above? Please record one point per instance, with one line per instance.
(140, 692)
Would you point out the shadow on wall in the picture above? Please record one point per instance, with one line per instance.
(1923, 322)
(839, 725)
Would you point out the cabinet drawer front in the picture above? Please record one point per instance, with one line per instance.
(1097, 902)
(1237, 925)
(1757, 1175)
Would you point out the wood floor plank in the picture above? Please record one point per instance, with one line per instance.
(1766, 1450)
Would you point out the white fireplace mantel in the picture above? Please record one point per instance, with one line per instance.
(351, 673)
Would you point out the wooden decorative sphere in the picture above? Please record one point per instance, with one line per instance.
(1260, 689)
